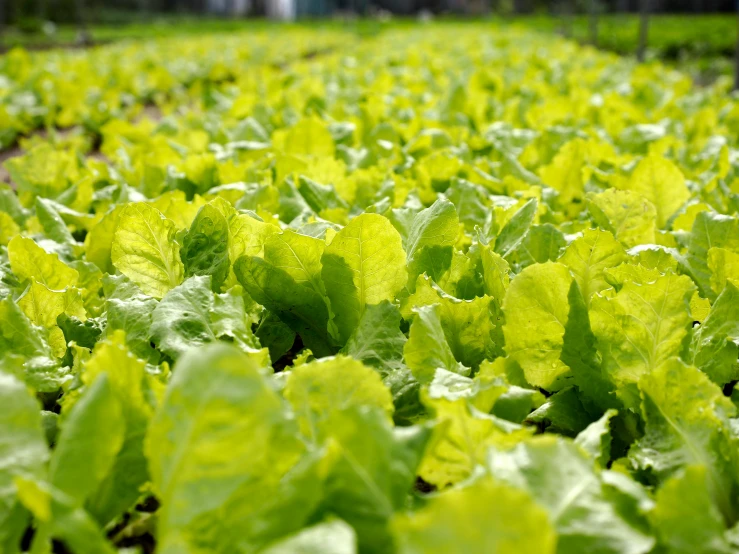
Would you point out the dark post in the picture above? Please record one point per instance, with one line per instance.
(644, 9)
(567, 16)
(593, 6)
(43, 10)
(83, 35)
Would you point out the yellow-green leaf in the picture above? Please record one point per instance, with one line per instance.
(462, 442)
(588, 256)
(485, 517)
(145, 251)
(641, 326)
(321, 389)
(630, 217)
(99, 240)
(364, 265)
(536, 309)
(43, 305)
(662, 183)
(724, 266)
(309, 137)
(29, 261)
(565, 172)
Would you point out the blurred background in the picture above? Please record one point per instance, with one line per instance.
(699, 36)
(34, 12)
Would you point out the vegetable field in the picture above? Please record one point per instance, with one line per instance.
(701, 45)
(449, 289)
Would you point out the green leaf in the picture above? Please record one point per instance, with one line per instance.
(542, 243)
(23, 451)
(468, 325)
(43, 305)
(28, 344)
(588, 256)
(715, 343)
(685, 517)
(485, 516)
(563, 480)
(460, 279)
(710, 230)
(145, 251)
(434, 261)
(297, 255)
(91, 437)
(133, 316)
(319, 197)
(630, 217)
(581, 355)
(10, 204)
(662, 183)
(222, 428)
(299, 307)
(42, 171)
(374, 467)
(76, 198)
(99, 240)
(190, 315)
(724, 266)
(427, 348)
(470, 202)
(309, 137)
(364, 265)
(83, 334)
(562, 413)
(182, 319)
(131, 386)
(687, 422)
(516, 229)
(232, 320)
(275, 335)
(293, 206)
(29, 261)
(59, 516)
(640, 327)
(495, 274)
(632, 500)
(378, 341)
(51, 221)
(247, 235)
(517, 403)
(8, 228)
(536, 309)
(462, 439)
(564, 174)
(321, 390)
(437, 226)
(595, 439)
(205, 247)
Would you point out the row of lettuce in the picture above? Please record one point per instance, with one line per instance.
(442, 292)
(88, 88)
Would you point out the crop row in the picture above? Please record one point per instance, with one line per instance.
(452, 289)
